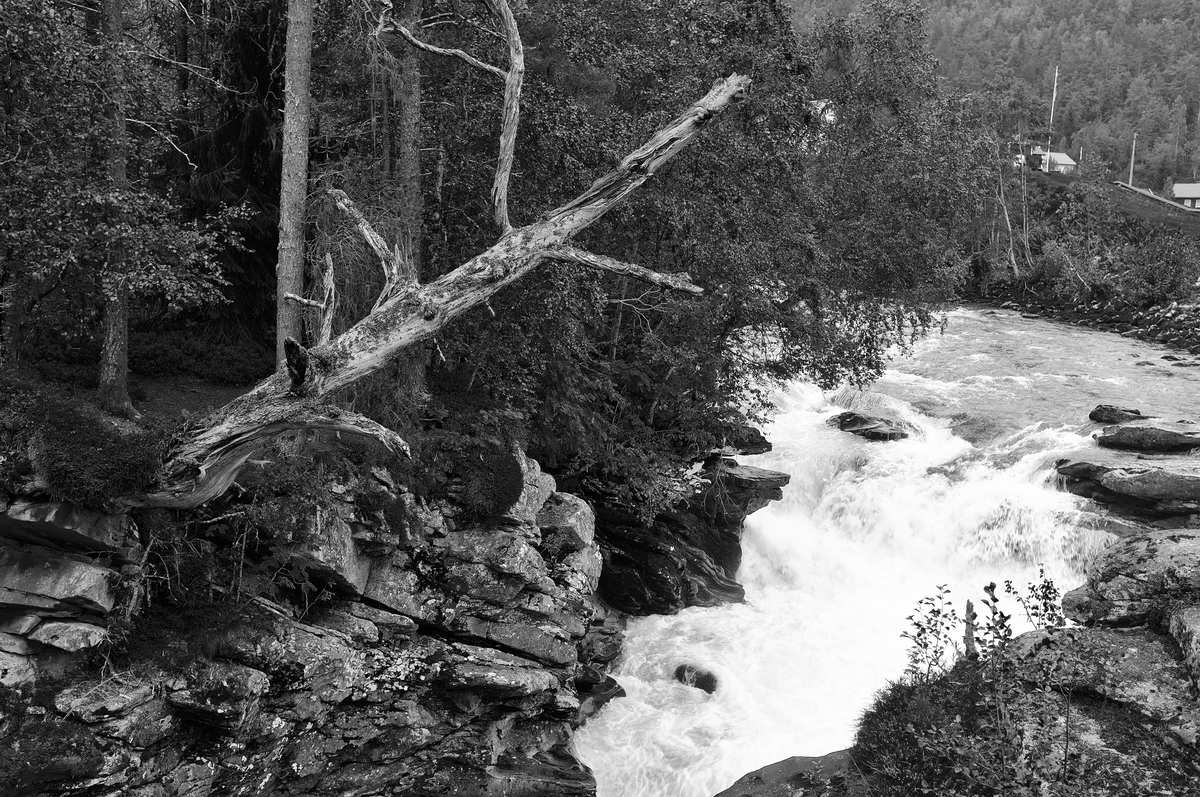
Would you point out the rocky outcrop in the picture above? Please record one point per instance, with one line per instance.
(1136, 579)
(450, 656)
(1136, 668)
(872, 427)
(689, 555)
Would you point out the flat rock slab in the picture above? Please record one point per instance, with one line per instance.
(64, 525)
(69, 636)
(1151, 436)
(41, 580)
(1165, 479)
(1132, 580)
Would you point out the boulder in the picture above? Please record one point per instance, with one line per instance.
(872, 427)
(595, 694)
(690, 675)
(742, 490)
(69, 636)
(1151, 436)
(93, 703)
(688, 555)
(1134, 667)
(1108, 413)
(497, 673)
(41, 580)
(1134, 484)
(567, 523)
(1134, 579)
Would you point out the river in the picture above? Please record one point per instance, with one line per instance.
(863, 532)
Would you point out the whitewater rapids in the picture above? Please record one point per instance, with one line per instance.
(863, 532)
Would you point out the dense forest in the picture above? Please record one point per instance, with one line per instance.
(144, 144)
(1124, 67)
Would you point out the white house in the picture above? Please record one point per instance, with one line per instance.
(1187, 194)
(1053, 162)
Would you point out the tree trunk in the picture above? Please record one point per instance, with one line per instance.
(410, 366)
(293, 184)
(11, 302)
(114, 353)
(408, 156)
(205, 462)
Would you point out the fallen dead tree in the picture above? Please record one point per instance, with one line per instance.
(206, 459)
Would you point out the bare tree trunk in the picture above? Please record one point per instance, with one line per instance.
(205, 462)
(114, 353)
(293, 185)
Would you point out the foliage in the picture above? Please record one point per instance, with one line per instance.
(978, 724)
(1084, 248)
(1124, 67)
(239, 362)
(68, 237)
(613, 386)
(77, 453)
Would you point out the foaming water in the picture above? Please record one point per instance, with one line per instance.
(864, 531)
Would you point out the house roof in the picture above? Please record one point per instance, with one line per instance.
(1186, 190)
(1062, 159)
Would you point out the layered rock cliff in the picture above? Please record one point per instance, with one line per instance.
(429, 652)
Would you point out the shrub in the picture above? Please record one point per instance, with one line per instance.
(80, 455)
(971, 726)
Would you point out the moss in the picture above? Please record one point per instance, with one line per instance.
(80, 455)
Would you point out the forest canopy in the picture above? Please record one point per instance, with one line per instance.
(822, 216)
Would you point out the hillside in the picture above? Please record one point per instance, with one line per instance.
(1124, 66)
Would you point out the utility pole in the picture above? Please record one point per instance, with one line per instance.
(1132, 154)
(1053, 101)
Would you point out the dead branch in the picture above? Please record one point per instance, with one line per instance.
(449, 52)
(678, 282)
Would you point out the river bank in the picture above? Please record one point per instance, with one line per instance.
(1176, 324)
